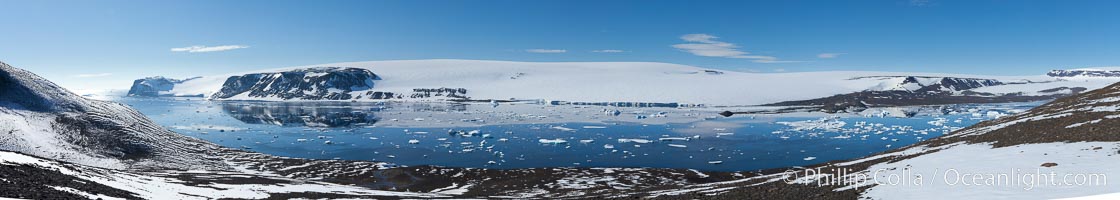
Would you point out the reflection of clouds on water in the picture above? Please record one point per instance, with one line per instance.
(714, 127)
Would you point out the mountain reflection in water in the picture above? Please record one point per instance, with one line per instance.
(319, 114)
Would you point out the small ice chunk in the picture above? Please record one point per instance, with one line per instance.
(608, 146)
(414, 141)
(586, 141)
(810, 158)
(677, 145)
(639, 141)
(552, 141)
(561, 128)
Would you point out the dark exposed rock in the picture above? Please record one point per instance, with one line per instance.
(324, 83)
(32, 182)
(1083, 73)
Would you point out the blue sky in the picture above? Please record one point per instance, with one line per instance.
(106, 44)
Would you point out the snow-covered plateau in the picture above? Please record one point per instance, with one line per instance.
(595, 82)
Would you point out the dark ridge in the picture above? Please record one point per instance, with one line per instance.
(27, 91)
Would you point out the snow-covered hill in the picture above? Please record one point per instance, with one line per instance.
(634, 82)
(43, 119)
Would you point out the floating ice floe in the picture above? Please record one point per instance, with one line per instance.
(715, 162)
(586, 141)
(552, 141)
(328, 142)
(594, 127)
(832, 123)
(301, 140)
(414, 141)
(608, 146)
(724, 134)
(561, 128)
(810, 158)
(639, 141)
(678, 145)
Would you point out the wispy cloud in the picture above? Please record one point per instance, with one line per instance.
(920, 3)
(546, 50)
(92, 75)
(829, 55)
(707, 45)
(607, 51)
(203, 49)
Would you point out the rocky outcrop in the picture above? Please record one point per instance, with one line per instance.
(323, 83)
(1084, 73)
(157, 86)
(930, 84)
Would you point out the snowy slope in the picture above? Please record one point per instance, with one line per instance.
(42, 119)
(620, 81)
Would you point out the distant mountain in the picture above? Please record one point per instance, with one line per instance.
(911, 90)
(1102, 72)
(931, 84)
(157, 86)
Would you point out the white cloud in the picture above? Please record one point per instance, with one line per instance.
(829, 55)
(546, 50)
(706, 45)
(920, 3)
(92, 75)
(779, 70)
(202, 49)
(607, 51)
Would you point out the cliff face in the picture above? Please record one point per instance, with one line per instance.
(325, 83)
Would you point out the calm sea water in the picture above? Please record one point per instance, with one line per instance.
(536, 135)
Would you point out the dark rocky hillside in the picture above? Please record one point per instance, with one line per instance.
(328, 83)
